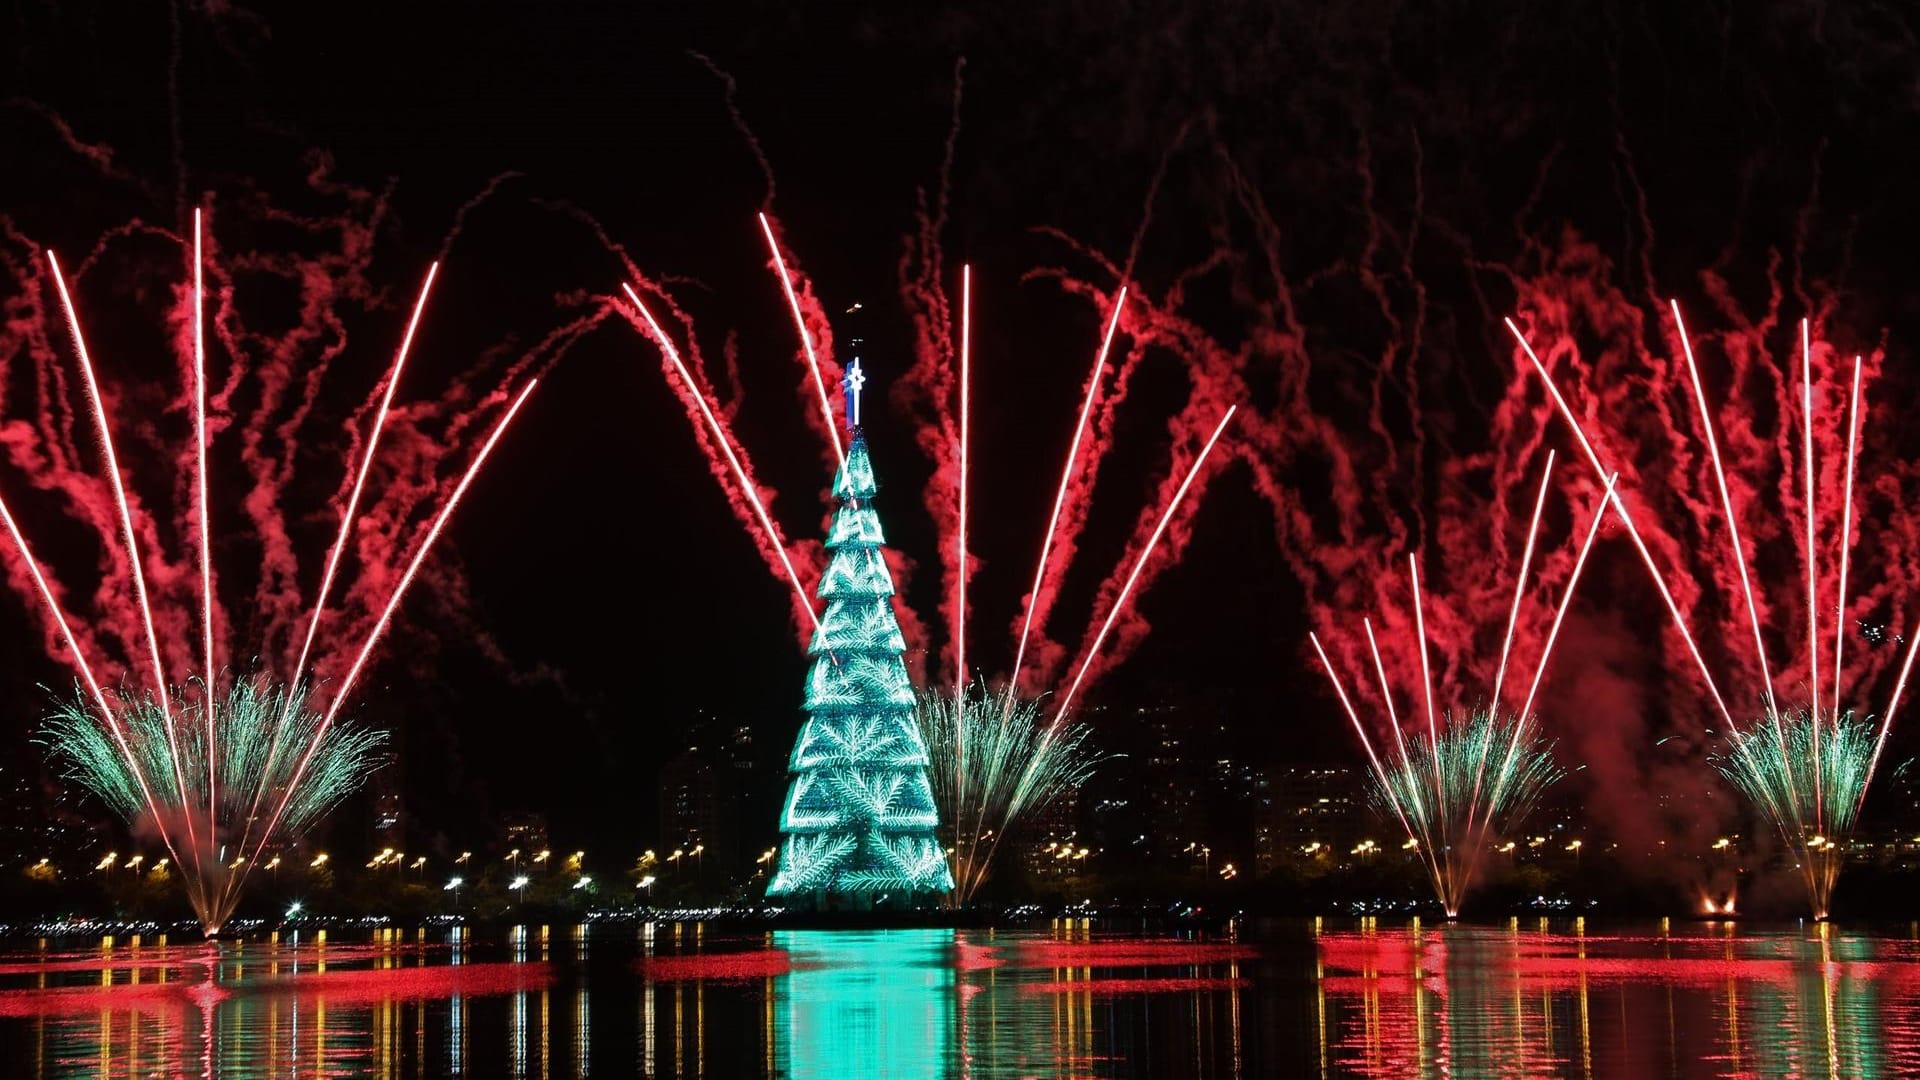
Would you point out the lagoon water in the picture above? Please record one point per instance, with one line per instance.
(1329, 997)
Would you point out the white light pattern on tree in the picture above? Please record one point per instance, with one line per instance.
(859, 817)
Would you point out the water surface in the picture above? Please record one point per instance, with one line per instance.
(1354, 997)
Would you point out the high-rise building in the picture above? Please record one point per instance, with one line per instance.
(525, 833)
(705, 794)
(1306, 805)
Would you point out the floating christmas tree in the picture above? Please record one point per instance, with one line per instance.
(859, 822)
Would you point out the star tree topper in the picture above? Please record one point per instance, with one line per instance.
(855, 379)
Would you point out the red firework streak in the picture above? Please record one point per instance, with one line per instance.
(747, 488)
(1060, 499)
(211, 887)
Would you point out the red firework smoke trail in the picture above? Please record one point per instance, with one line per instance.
(1034, 603)
(1673, 608)
(1119, 602)
(770, 532)
(386, 613)
(800, 322)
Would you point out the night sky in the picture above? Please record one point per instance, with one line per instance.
(1427, 149)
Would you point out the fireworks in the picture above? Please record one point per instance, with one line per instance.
(992, 801)
(1802, 769)
(220, 775)
(1806, 772)
(227, 754)
(1471, 777)
(1453, 805)
(1017, 764)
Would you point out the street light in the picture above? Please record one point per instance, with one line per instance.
(293, 909)
(453, 886)
(319, 861)
(647, 884)
(465, 857)
(519, 885)
(583, 882)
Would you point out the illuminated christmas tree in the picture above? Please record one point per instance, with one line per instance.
(859, 822)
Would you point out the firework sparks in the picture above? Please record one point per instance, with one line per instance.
(1451, 841)
(1782, 783)
(1017, 767)
(1472, 776)
(228, 754)
(159, 757)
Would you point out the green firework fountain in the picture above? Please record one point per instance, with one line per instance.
(996, 763)
(1461, 794)
(1809, 782)
(224, 768)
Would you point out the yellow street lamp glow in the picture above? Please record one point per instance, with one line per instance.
(319, 861)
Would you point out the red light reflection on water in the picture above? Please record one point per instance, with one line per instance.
(717, 967)
(1707, 1001)
(137, 1010)
(327, 987)
(1127, 953)
(1126, 987)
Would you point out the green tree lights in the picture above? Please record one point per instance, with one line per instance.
(860, 820)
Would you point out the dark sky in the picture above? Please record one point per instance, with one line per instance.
(1672, 134)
